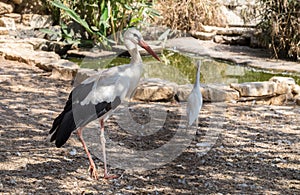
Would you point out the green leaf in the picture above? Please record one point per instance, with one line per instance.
(73, 15)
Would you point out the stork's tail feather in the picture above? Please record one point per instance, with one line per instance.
(64, 127)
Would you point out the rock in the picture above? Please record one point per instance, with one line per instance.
(8, 23)
(46, 60)
(24, 43)
(183, 92)
(255, 89)
(296, 89)
(283, 84)
(91, 53)
(63, 69)
(24, 53)
(4, 31)
(18, 2)
(37, 21)
(155, 90)
(6, 8)
(16, 17)
(232, 40)
(231, 17)
(73, 152)
(210, 92)
(26, 18)
(282, 88)
(35, 42)
(218, 93)
(56, 34)
(279, 100)
(82, 74)
(203, 35)
(290, 81)
(41, 21)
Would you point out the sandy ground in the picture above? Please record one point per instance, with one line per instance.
(240, 148)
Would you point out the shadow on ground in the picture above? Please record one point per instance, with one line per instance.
(255, 148)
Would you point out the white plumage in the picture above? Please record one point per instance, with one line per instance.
(97, 96)
(194, 101)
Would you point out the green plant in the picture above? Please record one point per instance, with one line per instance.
(280, 27)
(102, 18)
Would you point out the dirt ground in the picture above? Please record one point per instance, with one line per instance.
(255, 148)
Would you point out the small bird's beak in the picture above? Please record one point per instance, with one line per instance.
(144, 45)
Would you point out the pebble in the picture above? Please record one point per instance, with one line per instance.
(129, 187)
(67, 159)
(284, 142)
(13, 182)
(73, 152)
(182, 181)
(229, 164)
(203, 144)
(243, 185)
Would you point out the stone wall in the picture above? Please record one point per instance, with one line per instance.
(20, 24)
(276, 91)
(23, 18)
(242, 16)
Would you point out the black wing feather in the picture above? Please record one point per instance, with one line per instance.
(75, 115)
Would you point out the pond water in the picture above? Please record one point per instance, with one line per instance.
(180, 68)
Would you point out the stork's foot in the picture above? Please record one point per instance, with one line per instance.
(93, 172)
(107, 176)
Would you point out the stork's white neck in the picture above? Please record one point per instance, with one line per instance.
(135, 56)
(198, 76)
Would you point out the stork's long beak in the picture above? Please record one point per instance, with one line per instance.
(144, 45)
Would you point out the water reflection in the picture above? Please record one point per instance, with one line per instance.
(180, 68)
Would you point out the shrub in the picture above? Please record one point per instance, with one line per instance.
(101, 18)
(280, 27)
(189, 15)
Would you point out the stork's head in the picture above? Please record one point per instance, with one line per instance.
(133, 37)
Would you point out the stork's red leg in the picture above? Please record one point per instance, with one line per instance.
(103, 141)
(92, 168)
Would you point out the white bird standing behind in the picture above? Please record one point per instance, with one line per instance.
(194, 101)
(97, 96)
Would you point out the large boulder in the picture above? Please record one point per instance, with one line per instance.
(255, 89)
(16, 17)
(8, 23)
(183, 92)
(6, 8)
(283, 85)
(48, 61)
(210, 92)
(218, 93)
(64, 69)
(37, 21)
(155, 90)
(82, 74)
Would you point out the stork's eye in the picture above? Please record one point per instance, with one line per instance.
(136, 36)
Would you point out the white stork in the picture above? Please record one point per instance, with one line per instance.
(195, 100)
(97, 96)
